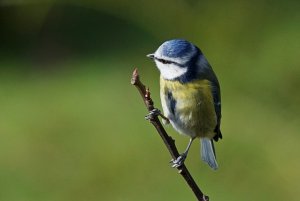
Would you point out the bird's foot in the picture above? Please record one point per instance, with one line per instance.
(153, 113)
(156, 112)
(178, 161)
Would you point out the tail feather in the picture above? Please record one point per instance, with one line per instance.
(208, 153)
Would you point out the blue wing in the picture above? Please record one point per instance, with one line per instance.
(217, 103)
(208, 73)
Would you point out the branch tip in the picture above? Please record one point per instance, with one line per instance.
(135, 76)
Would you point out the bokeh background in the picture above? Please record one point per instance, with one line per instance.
(72, 127)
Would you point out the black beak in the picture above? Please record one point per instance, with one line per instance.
(151, 56)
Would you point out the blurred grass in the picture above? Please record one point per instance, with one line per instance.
(80, 135)
(72, 128)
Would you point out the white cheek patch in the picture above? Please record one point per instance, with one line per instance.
(170, 71)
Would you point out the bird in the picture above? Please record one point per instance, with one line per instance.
(190, 96)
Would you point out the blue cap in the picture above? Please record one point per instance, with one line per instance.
(177, 48)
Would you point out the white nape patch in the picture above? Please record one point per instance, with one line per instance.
(170, 71)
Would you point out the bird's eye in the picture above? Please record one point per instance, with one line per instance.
(164, 61)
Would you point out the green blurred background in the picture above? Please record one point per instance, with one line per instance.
(72, 127)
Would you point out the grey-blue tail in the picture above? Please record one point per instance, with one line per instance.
(208, 153)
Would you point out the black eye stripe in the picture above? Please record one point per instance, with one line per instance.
(164, 61)
(169, 62)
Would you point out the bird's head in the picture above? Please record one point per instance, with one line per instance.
(175, 57)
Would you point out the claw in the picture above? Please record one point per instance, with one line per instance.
(153, 113)
(178, 161)
(156, 112)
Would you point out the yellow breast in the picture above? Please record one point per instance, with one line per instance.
(194, 112)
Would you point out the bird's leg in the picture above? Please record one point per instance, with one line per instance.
(165, 120)
(156, 112)
(180, 160)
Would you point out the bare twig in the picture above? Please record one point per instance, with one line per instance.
(169, 142)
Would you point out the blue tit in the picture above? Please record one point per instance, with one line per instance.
(190, 96)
